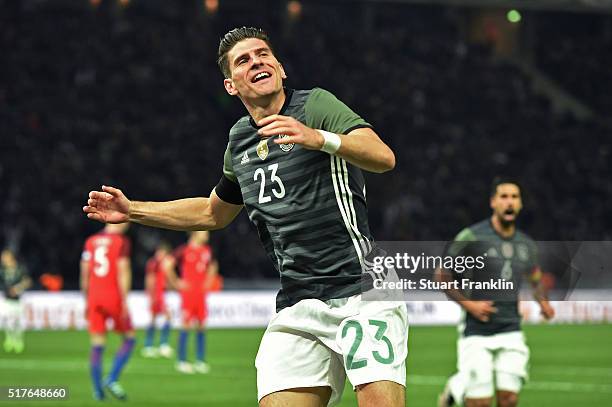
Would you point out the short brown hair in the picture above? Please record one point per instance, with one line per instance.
(232, 38)
(503, 179)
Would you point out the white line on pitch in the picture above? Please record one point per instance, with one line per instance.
(573, 370)
(417, 380)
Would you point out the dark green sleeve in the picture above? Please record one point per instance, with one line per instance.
(228, 168)
(461, 241)
(533, 255)
(324, 111)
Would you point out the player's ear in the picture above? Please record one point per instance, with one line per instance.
(282, 71)
(229, 87)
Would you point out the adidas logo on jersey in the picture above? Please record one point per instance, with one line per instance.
(245, 158)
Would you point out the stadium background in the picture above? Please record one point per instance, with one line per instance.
(127, 93)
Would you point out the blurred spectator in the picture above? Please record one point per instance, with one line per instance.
(51, 282)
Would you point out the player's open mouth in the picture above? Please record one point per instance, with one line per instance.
(509, 211)
(261, 76)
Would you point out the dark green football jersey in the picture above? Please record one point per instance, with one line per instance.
(509, 259)
(309, 207)
(9, 278)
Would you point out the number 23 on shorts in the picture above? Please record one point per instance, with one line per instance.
(365, 340)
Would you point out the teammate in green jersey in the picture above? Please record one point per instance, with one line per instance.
(294, 163)
(492, 353)
(14, 280)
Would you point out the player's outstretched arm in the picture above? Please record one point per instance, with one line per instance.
(361, 147)
(111, 206)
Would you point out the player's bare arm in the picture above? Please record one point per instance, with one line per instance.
(84, 281)
(20, 287)
(480, 310)
(540, 295)
(125, 280)
(112, 206)
(125, 276)
(212, 272)
(361, 147)
(170, 273)
(150, 284)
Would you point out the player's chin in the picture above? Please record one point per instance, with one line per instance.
(268, 87)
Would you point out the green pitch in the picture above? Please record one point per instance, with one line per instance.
(571, 366)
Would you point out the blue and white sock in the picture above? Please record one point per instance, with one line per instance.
(165, 333)
(121, 358)
(95, 362)
(200, 345)
(182, 346)
(150, 336)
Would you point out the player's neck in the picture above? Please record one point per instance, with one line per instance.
(266, 105)
(505, 230)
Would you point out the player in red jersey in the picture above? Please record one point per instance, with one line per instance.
(106, 278)
(198, 269)
(159, 269)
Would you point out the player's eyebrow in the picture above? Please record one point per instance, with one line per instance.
(262, 49)
(256, 51)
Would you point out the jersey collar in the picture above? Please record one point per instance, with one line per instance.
(288, 94)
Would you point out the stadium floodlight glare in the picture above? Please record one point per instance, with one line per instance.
(514, 16)
(294, 8)
(211, 6)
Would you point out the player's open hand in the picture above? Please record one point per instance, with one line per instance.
(108, 206)
(481, 310)
(295, 131)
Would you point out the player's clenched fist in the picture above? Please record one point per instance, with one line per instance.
(109, 205)
(547, 311)
(296, 131)
(481, 310)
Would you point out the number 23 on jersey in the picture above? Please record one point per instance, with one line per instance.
(278, 188)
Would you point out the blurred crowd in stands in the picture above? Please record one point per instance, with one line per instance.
(577, 52)
(134, 99)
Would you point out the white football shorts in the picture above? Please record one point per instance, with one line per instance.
(319, 343)
(495, 362)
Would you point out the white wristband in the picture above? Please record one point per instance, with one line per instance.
(331, 142)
